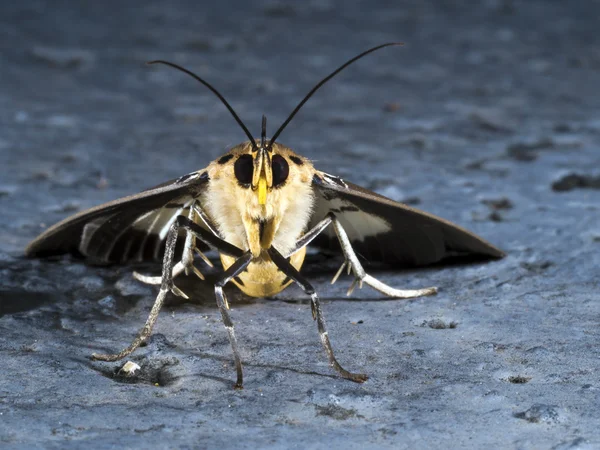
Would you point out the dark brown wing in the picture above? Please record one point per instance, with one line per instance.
(383, 230)
(128, 229)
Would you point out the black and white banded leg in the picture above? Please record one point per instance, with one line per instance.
(167, 278)
(234, 270)
(290, 271)
(187, 258)
(352, 264)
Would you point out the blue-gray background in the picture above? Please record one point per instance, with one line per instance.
(489, 117)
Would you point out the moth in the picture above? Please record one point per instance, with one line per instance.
(259, 206)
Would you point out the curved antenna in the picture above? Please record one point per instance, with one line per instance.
(214, 91)
(322, 82)
(263, 132)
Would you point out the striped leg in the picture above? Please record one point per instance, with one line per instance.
(353, 265)
(187, 259)
(289, 270)
(167, 279)
(234, 270)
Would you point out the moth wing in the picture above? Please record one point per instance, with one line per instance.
(129, 229)
(381, 229)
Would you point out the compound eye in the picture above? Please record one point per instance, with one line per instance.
(243, 169)
(281, 170)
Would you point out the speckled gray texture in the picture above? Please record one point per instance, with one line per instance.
(489, 116)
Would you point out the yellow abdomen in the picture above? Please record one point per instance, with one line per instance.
(262, 278)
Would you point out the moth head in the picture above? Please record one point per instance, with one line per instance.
(269, 168)
(264, 169)
(264, 166)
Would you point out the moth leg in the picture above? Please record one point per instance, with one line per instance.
(196, 207)
(234, 270)
(190, 241)
(187, 256)
(166, 286)
(187, 261)
(310, 235)
(178, 269)
(284, 265)
(353, 264)
(167, 279)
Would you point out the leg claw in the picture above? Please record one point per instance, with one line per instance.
(359, 377)
(178, 292)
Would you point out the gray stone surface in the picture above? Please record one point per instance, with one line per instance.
(489, 116)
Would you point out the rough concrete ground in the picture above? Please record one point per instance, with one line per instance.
(489, 117)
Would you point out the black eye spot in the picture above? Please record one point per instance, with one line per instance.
(296, 160)
(223, 159)
(281, 170)
(243, 169)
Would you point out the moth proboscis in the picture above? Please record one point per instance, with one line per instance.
(259, 205)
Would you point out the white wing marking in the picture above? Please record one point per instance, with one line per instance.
(149, 231)
(358, 224)
(162, 234)
(88, 232)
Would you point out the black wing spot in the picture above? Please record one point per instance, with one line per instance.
(223, 159)
(239, 281)
(296, 160)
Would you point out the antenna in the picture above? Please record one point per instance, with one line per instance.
(322, 82)
(214, 91)
(263, 133)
